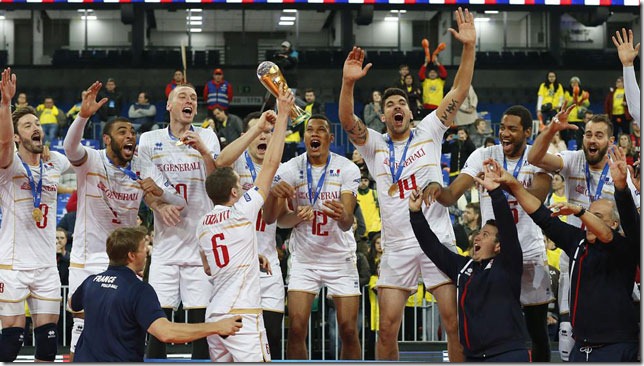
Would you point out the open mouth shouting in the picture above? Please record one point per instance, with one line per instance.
(128, 149)
(398, 119)
(261, 148)
(187, 111)
(315, 144)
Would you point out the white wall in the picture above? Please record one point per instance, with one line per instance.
(101, 33)
(575, 35)
(7, 41)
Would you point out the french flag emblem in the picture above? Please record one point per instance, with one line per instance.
(334, 172)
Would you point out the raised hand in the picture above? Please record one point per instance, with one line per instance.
(192, 139)
(618, 167)
(635, 178)
(564, 209)
(560, 121)
(89, 105)
(7, 86)
(285, 101)
(625, 49)
(353, 70)
(267, 121)
(431, 193)
(492, 174)
(466, 33)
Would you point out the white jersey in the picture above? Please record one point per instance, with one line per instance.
(530, 235)
(227, 237)
(421, 167)
(265, 233)
(574, 173)
(107, 200)
(182, 167)
(24, 243)
(321, 241)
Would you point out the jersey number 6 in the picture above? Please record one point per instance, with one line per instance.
(220, 251)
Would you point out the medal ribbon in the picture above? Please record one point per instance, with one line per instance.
(600, 184)
(251, 166)
(172, 137)
(517, 168)
(392, 157)
(36, 190)
(309, 180)
(127, 170)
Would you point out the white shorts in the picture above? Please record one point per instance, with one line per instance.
(176, 284)
(40, 287)
(400, 268)
(250, 344)
(272, 290)
(340, 281)
(535, 282)
(78, 274)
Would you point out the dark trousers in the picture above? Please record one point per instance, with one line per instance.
(519, 355)
(614, 352)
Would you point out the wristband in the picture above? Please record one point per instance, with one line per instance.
(583, 211)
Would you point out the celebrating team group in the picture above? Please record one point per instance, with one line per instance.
(216, 214)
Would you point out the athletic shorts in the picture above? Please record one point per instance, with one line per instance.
(78, 274)
(272, 290)
(40, 287)
(250, 344)
(342, 280)
(535, 282)
(400, 268)
(176, 284)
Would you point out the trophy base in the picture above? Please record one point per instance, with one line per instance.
(300, 119)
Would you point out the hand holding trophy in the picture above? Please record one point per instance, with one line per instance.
(271, 77)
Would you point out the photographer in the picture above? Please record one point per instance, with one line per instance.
(286, 60)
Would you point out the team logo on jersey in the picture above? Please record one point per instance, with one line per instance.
(48, 165)
(277, 178)
(356, 284)
(489, 265)
(25, 186)
(469, 271)
(301, 174)
(247, 197)
(158, 146)
(334, 172)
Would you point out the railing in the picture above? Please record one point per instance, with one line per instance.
(323, 342)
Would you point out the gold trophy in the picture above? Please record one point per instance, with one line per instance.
(271, 77)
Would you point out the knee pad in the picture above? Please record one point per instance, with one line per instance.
(566, 342)
(77, 329)
(10, 342)
(46, 342)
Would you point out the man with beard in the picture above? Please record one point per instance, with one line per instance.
(516, 127)
(587, 179)
(401, 161)
(109, 193)
(28, 267)
(181, 156)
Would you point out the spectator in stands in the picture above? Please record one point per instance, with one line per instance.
(466, 114)
(432, 75)
(616, 107)
(68, 221)
(489, 141)
(286, 59)
(635, 135)
(626, 146)
(469, 223)
(460, 148)
(228, 126)
(580, 98)
(217, 93)
(177, 78)
(414, 96)
(50, 118)
(112, 108)
(375, 254)
(312, 106)
(357, 159)
(62, 255)
(368, 202)
(557, 145)
(480, 133)
(373, 112)
(142, 113)
(550, 97)
(21, 101)
(403, 70)
(557, 194)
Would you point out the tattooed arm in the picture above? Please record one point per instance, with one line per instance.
(352, 72)
(466, 34)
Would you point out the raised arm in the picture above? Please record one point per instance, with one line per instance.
(466, 34)
(629, 217)
(352, 72)
(275, 147)
(627, 54)
(234, 150)
(538, 154)
(72, 143)
(8, 90)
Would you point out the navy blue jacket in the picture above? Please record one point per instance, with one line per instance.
(119, 309)
(490, 320)
(602, 274)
